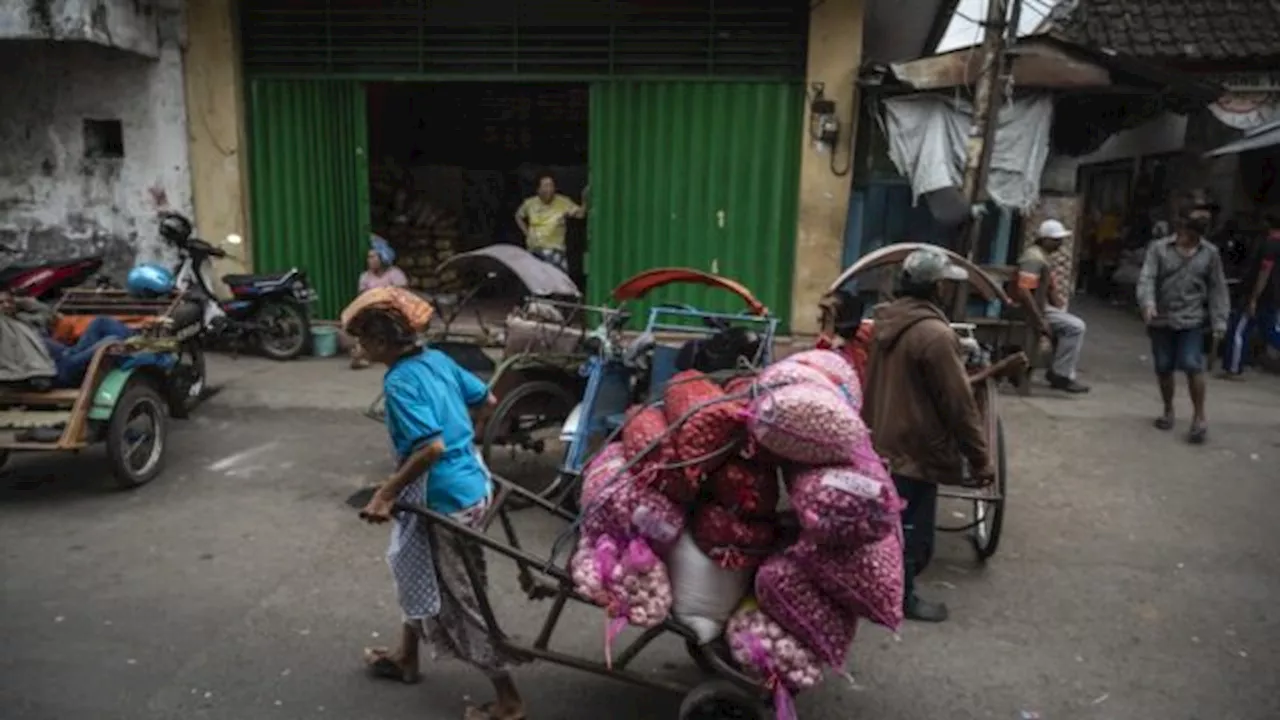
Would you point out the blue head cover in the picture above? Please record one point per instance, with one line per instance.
(150, 279)
(383, 248)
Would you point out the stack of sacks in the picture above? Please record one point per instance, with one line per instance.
(696, 482)
(847, 562)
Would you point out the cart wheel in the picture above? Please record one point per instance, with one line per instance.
(720, 700)
(988, 515)
(187, 380)
(522, 438)
(699, 658)
(136, 436)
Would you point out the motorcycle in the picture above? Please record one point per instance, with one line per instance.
(45, 281)
(268, 312)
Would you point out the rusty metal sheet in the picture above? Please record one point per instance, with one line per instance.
(1035, 65)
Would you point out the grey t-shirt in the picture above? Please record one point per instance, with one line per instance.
(1187, 291)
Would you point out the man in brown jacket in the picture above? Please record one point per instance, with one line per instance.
(920, 408)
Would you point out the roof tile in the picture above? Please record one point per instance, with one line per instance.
(1214, 30)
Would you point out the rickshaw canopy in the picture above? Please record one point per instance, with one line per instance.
(642, 284)
(979, 280)
(540, 278)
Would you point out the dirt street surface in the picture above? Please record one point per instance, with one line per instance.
(1137, 579)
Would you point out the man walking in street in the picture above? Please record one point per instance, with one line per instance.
(1048, 311)
(1181, 290)
(920, 408)
(1260, 299)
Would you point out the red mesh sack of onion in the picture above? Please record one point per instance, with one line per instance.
(732, 542)
(844, 506)
(626, 508)
(835, 368)
(771, 654)
(810, 421)
(748, 488)
(627, 578)
(647, 440)
(787, 595)
(706, 420)
(867, 582)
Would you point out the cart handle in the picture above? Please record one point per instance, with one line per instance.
(637, 286)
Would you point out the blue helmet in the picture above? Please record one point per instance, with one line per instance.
(149, 279)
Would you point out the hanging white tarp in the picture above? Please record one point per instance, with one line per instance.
(927, 136)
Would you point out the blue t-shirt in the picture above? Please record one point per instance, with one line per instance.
(428, 397)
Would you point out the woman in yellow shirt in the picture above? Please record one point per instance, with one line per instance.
(543, 221)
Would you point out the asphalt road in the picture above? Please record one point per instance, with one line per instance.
(1138, 580)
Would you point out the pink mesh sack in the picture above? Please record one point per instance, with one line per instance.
(835, 368)
(808, 422)
(786, 594)
(707, 421)
(867, 582)
(631, 509)
(732, 542)
(770, 654)
(785, 372)
(843, 506)
(601, 471)
(749, 488)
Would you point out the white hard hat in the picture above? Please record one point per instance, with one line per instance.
(1054, 230)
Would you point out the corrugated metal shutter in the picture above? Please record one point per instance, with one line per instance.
(696, 174)
(310, 187)
(573, 38)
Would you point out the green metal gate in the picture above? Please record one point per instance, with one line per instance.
(699, 174)
(309, 184)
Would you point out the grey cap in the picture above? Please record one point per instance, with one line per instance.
(930, 265)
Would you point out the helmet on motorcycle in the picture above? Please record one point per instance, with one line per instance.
(149, 280)
(174, 227)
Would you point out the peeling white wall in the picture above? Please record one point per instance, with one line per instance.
(124, 24)
(55, 202)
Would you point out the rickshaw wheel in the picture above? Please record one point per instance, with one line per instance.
(136, 435)
(522, 419)
(989, 514)
(720, 700)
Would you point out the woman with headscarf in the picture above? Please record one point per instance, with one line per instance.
(433, 407)
(380, 271)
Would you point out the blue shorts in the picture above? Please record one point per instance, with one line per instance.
(1173, 350)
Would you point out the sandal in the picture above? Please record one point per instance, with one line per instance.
(1198, 434)
(485, 712)
(1164, 422)
(380, 665)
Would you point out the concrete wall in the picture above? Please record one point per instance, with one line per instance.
(124, 24)
(56, 202)
(835, 52)
(215, 106)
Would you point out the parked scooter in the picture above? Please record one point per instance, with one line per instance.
(45, 281)
(266, 312)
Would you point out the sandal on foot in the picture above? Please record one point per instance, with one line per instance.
(380, 665)
(485, 712)
(1164, 422)
(1198, 434)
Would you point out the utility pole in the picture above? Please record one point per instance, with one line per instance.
(1000, 31)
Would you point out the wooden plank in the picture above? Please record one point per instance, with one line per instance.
(75, 432)
(33, 398)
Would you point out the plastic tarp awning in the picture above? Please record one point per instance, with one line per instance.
(927, 135)
(1263, 136)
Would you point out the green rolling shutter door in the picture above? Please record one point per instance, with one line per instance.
(309, 184)
(699, 174)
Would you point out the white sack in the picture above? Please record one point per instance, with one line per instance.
(704, 594)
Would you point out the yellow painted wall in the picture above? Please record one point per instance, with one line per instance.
(215, 120)
(835, 52)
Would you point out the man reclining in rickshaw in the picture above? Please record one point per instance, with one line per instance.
(70, 360)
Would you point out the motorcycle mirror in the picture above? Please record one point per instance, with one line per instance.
(234, 239)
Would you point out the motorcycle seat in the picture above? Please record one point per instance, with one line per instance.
(255, 278)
